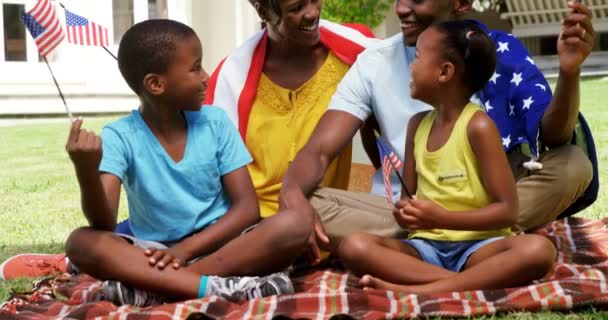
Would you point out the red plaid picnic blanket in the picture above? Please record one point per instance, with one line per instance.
(578, 279)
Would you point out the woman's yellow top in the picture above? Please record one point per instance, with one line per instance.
(450, 177)
(280, 123)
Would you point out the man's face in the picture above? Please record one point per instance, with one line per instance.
(417, 15)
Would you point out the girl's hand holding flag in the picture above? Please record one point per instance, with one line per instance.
(413, 214)
(390, 162)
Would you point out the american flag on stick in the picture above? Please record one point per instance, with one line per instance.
(390, 162)
(85, 32)
(44, 26)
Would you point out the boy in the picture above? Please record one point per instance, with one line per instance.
(189, 192)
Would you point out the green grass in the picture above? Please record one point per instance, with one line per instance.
(594, 98)
(40, 199)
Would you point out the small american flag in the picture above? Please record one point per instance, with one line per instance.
(43, 24)
(390, 162)
(84, 32)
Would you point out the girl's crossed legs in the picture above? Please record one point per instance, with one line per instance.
(392, 264)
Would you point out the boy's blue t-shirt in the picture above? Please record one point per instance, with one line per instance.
(167, 200)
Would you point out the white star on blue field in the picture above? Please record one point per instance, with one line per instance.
(517, 94)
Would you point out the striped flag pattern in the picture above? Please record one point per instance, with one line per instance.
(84, 32)
(387, 167)
(44, 26)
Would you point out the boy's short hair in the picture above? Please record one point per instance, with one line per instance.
(149, 47)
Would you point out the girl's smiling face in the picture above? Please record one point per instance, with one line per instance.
(425, 70)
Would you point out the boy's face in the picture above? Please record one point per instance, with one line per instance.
(300, 21)
(186, 80)
(417, 15)
(425, 70)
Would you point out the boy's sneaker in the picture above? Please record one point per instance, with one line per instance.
(33, 265)
(121, 294)
(246, 288)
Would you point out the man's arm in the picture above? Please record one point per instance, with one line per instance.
(368, 140)
(574, 44)
(334, 131)
(99, 193)
(348, 108)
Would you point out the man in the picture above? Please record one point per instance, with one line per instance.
(377, 84)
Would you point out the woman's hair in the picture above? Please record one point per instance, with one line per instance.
(466, 44)
(271, 9)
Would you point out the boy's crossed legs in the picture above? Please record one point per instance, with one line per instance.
(270, 247)
(508, 262)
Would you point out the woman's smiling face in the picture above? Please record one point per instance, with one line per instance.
(299, 21)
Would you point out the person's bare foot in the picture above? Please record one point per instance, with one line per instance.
(369, 282)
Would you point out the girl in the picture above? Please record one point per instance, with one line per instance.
(466, 202)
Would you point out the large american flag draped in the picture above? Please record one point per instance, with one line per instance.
(517, 95)
(387, 156)
(85, 32)
(43, 24)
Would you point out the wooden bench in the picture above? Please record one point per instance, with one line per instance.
(361, 177)
(533, 18)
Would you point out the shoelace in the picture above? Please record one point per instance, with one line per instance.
(144, 298)
(240, 288)
(42, 267)
(262, 287)
(126, 295)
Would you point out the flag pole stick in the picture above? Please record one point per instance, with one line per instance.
(407, 192)
(67, 109)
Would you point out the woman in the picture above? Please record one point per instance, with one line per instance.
(276, 86)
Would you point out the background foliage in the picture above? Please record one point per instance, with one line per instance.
(373, 12)
(368, 12)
